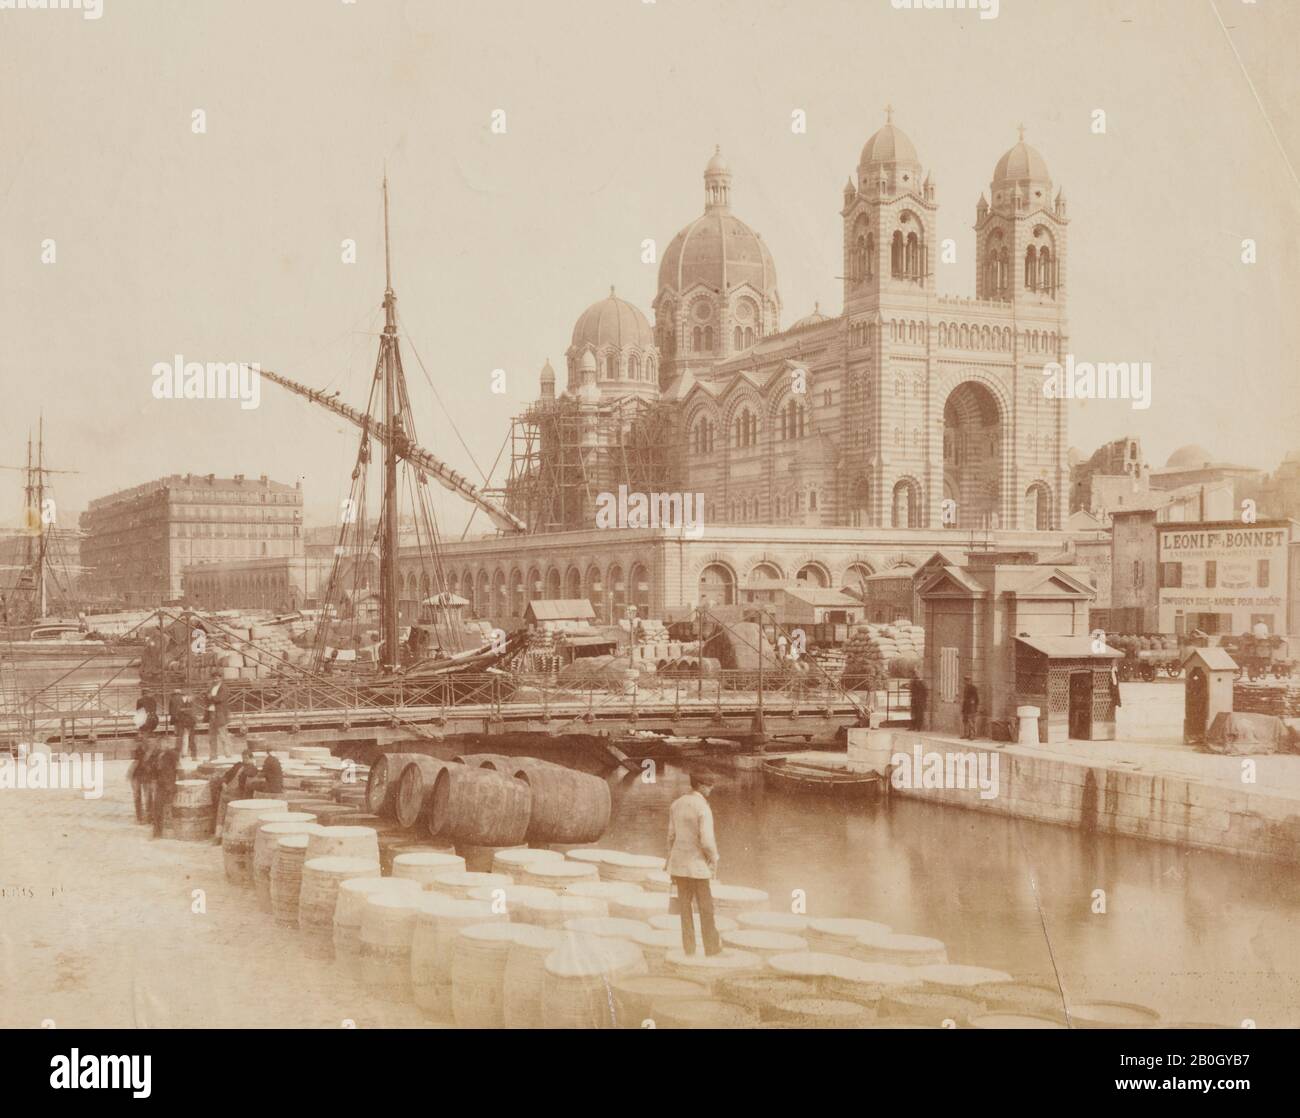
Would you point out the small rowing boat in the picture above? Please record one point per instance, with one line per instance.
(788, 775)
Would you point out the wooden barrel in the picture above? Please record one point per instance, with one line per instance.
(437, 920)
(334, 815)
(657, 881)
(382, 781)
(479, 807)
(458, 883)
(667, 921)
(513, 859)
(764, 921)
(414, 787)
(814, 966)
(702, 1013)
(264, 844)
(639, 906)
(393, 843)
(567, 805)
(525, 966)
(311, 753)
(309, 803)
(655, 943)
(478, 975)
(493, 762)
(482, 859)
(606, 890)
(286, 878)
(1113, 1015)
(608, 927)
(192, 816)
(958, 979)
(738, 898)
(557, 875)
(619, 866)
(866, 982)
(591, 855)
(320, 888)
(387, 932)
(930, 1007)
(424, 867)
(763, 943)
(822, 1013)
(1021, 997)
(350, 907)
(764, 991)
(577, 977)
(344, 842)
(513, 901)
(839, 936)
(900, 950)
(556, 910)
(242, 818)
(636, 995)
(709, 970)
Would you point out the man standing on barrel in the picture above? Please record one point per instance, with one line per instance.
(693, 860)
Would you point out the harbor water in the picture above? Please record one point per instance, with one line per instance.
(1197, 936)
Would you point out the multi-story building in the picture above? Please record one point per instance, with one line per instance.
(137, 542)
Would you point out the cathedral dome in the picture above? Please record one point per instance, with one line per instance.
(814, 319)
(1189, 457)
(1022, 167)
(888, 145)
(720, 251)
(612, 322)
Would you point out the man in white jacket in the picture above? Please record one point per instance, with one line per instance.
(693, 861)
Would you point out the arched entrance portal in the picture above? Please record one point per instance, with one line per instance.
(717, 586)
(972, 455)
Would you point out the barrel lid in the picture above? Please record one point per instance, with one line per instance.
(428, 858)
(658, 937)
(804, 964)
(290, 827)
(773, 921)
(729, 958)
(737, 894)
(632, 861)
(757, 939)
(537, 938)
(286, 817)
(708, 1012)
(260, 805)
(366, 885)
(827, 1008)
(673, 922)
(338, 865)
(897, 941)
(953, 974)
(847, 928)
(344, 831)
(591, 855)
(561, 870)
(394, 898)
(439, 904)
(296, 841)
(877, 974)
(522, 855)
(660, 880)
(568, 904)
(488, 933)
(514, 894)
(583, 956)
(473, 879)
(1114, 1013)
(607, 889)
(649, 903)
(605, 926)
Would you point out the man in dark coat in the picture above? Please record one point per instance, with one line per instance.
(970, 710)
(272, 774)
(918, 695)
(164, 787)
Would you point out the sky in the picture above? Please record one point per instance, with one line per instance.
(226, 245)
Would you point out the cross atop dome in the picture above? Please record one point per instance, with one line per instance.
(1021, 129)
(889, 114)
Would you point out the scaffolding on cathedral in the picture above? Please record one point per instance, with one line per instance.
(565, 452)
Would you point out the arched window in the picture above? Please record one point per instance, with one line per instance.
(871, 255)
(913, 256)
(611, 367)
(1031, 268)
(1045, 279)
(896, 254)
(749, 336)
(738, 338)
(708, 339)
(697, 340)
(812, 500)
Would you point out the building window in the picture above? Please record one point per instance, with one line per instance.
(1138, 574)
(1171, 575)
(1211, 574)
(1261, 579)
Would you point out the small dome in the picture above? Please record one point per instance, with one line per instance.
(717, 165)
(612, 322)
(1189, 457)
(888, 145)
(548, 374)
(1023, 169)
(588, 362)
(813, 319)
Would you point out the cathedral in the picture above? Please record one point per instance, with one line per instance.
(908, 409)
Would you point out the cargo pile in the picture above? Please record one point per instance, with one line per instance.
(871, 649)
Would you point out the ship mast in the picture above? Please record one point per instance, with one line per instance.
(390, 366)
(40, 512)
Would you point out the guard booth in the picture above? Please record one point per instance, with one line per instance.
(1072, 683)
(1210, 674)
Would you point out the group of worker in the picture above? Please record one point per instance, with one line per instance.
(156, 762)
